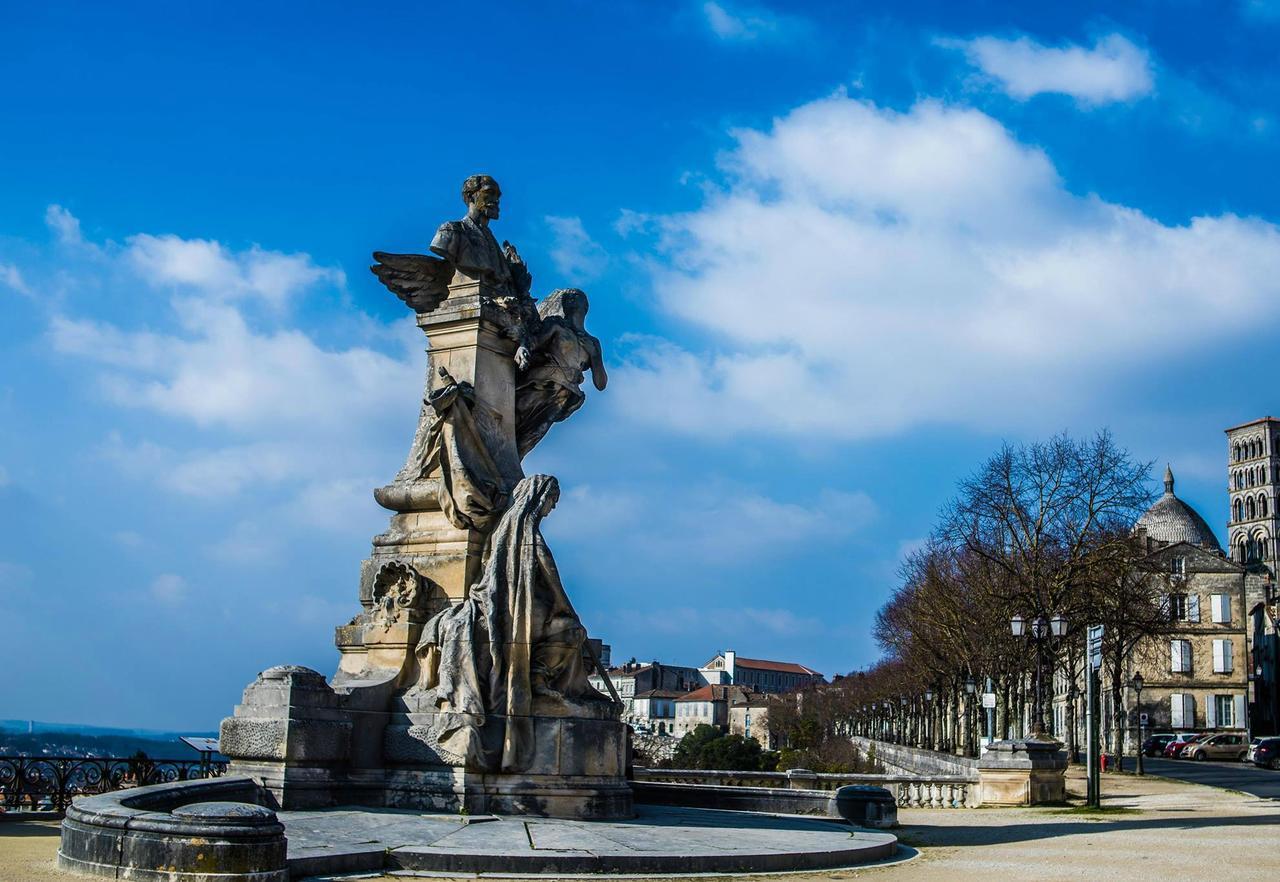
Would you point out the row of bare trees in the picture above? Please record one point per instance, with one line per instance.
(1040, 534)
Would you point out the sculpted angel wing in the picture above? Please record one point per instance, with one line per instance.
(422, 282)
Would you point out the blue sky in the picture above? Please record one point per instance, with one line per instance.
(836, 253)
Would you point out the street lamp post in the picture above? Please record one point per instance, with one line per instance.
(970, 687)
(1042, 632)
(1137, 688)
(929, 728)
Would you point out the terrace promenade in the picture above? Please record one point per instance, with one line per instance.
(1149, 828)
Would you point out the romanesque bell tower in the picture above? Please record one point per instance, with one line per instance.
(1253, 478)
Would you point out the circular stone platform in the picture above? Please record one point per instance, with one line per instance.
(659, 840)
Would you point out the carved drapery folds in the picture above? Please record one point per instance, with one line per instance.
(513, 648)
(472, 494)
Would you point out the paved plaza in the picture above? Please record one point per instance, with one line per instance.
(1153, 828)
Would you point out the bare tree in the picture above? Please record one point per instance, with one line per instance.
(1035, 517)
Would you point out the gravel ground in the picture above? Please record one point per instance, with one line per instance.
(1152, 829)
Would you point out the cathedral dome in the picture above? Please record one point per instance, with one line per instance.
(1171, 520)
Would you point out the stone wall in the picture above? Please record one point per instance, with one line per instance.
(915, 761)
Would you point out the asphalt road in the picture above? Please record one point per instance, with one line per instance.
(1245, 777)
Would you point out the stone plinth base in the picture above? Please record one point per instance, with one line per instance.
(1027, 772)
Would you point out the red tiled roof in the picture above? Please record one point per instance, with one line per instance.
(784, 667)
(706, 693)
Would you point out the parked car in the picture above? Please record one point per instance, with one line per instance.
(1223, 746)
(1267, 753)
(1253, 745)
(1155, 744)
(1174, 748)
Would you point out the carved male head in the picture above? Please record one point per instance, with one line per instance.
(481, 193)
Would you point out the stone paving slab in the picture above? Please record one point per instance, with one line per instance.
(659, 840)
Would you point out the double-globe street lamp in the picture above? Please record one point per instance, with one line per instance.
(1040, 633)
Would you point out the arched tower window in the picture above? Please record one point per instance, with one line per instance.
(1235, 453)
(1238, 507)
(1262, 506)
(1251, 509)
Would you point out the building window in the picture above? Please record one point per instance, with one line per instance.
(1178, 607)
(1262, 506)
(1222, 650)
(1182, 710)
(1178, 566)
(1180, 656)
(1220, 608)
(1225, 711)
(1238, 508)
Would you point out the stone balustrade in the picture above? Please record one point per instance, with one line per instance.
(909, 791)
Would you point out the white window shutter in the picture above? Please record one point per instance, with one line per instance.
(1226, 609)
(1215, 608)
(1166, 609)
(1238, 722)
(1193, 607)
(1227, 660)
(1211, 712)
(1175, 656)
(1175, 710)
(1218, 661)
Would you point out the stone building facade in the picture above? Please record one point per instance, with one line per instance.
(749, 717)
(633, 678)
(1253, 527)
(1196, 677)
(761, 675)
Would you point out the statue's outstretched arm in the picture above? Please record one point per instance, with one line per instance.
(598, 374)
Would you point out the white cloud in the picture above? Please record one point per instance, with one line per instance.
(747, 24)
(712, 522)
(1114, 69)
(734, 624)
(129, 539)
(211, 268)
(64, 224)
(1263, 10)
(574, 252)
(11, 276)
(864, 271)
(169, 589)
(219, 371)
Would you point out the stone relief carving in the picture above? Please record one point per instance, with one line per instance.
(512, 649)
(397, 593)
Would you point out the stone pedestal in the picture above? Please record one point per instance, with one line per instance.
(292, 734)
(466, 339)
(1028, 772)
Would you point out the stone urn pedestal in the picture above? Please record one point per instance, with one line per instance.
(1023, 772)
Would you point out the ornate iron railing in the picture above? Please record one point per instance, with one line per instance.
(48, 783)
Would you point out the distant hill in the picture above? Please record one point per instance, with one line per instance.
(25, 737)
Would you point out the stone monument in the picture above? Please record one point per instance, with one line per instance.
(462, 683)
